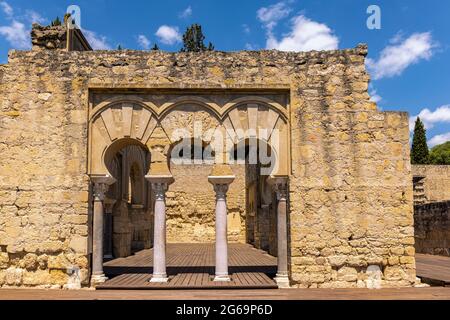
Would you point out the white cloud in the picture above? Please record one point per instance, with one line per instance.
(18, 32)
(305, 35)
(6, 8)
(374, 96)
(439, 139)
(186, 13)
(168, 35)
(246, 28)
(270, 16)
(251, 47)
(430, 118)
(17, 35)
(34, 17)
(144, 42)
(398, 56)
(97, 42)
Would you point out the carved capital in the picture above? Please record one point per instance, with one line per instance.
(221, 191)
(100, 189)
(160, 189)
(101, 185)
(280, 186)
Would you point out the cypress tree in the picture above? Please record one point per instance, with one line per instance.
(155, 47)
(56, 22)
(193, 40)
(419, 151)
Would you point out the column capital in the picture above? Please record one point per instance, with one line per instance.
(221, 191)
(101, 185)
(280, 186)
(160, 189)
(160, 184)
(100, 190)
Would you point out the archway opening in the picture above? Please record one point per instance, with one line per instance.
(258, 160)
(128, 221)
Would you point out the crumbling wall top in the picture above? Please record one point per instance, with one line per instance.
(58, 37)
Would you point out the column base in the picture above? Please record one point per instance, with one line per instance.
(282, 281)
(223, 278)
(97, 279)
(161, 278)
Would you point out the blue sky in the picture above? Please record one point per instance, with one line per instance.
(409, 57)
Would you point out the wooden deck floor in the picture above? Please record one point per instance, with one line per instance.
(434, 270)
(436, 293)
(191, 266)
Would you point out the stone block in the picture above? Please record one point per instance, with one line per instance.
(78, 244)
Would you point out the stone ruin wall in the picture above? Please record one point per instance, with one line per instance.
(434, 185)
(432, 225)
(432, 209)
(350, 188)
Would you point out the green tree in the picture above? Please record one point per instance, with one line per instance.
(419, 151)
(56, 22)
(440, 154)
(193, 40)
(155, 47)
(119, 47)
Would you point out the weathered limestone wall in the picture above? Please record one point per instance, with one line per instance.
(435, 182)
(191, 205)
(44, 191)
(350, 188)
(432, 228)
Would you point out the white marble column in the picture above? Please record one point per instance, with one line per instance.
(100, 188)
(221, 233)
(221, 184)
(282, 277)
(159, 242)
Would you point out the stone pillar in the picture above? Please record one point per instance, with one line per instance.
(221, 184)
(108, 228)
(159, 187)
(100, 188)
(282, 277)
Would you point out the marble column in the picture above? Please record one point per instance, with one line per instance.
(282, 277)
(221, 184)
(98, 276)
(159, 242)
(221, 233)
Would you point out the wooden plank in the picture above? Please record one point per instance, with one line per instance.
(436, 293)
(434, 270)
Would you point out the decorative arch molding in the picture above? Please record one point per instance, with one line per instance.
(189, 100)
(164, 109)
(275, 106)
(130, 118)
(121, 99)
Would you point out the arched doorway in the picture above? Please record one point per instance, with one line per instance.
(126, 124)
(128, 218)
